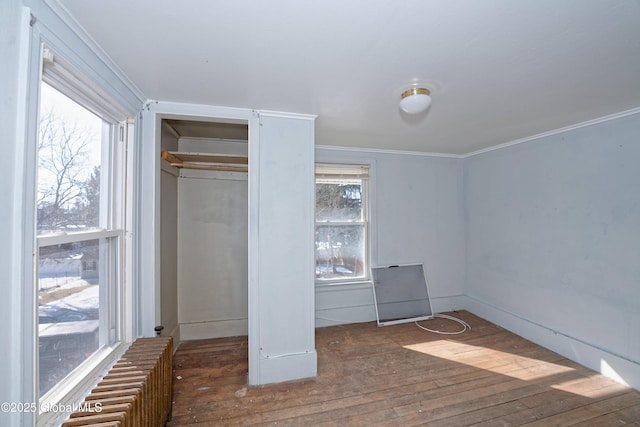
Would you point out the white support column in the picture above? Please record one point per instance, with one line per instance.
(282, 295)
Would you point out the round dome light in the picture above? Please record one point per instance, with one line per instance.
(415, 100)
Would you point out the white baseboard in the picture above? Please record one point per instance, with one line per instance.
(610, 365)
(342, 315)
(448, 303)
(345, 315)
(213, 329)
(287, 368)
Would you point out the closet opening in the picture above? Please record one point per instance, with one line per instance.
(204, 228)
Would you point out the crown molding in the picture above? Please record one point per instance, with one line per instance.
(388, 151)
(580, 125)
(587, 123)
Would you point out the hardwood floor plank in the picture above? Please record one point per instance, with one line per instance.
(586, 413)
(400, 376)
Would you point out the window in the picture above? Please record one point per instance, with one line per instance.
(341, 223)
(79, 228)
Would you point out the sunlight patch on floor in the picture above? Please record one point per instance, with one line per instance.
(592, 387)
(499, 362)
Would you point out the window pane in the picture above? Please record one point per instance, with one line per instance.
(69, 150)
(340, 251)
(69, 281)
(339, 201)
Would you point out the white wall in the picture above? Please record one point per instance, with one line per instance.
(553, 243)
(204, 243)
(212, 254)
(417, 216)
(169, 238)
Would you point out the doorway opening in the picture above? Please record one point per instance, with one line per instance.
(204, 228)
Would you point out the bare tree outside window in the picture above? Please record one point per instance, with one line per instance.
(338, 201)
(68, 177)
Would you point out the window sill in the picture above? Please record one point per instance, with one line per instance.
(351, 285)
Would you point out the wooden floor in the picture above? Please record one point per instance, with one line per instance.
(402, 376)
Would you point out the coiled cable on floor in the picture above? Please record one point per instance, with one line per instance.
(464, 324)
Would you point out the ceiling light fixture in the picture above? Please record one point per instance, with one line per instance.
(415, 100)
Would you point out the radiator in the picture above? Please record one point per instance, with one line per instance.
(136, 391)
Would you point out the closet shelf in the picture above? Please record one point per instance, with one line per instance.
(207, 161)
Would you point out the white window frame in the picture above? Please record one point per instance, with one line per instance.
(115, 298)
(337, 172)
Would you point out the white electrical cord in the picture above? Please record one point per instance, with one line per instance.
(464, 324)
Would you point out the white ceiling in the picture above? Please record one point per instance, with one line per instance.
(502, 70)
